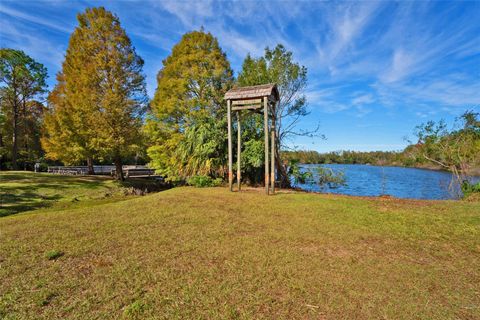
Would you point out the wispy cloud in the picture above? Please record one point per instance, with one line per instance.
(38, 20)
(397, 62)
(43, 50)
(363, 99)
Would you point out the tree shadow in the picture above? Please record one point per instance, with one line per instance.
(24, 201)
(24, 192)
(21, 192)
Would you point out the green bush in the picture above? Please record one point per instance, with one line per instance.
(298, 175)
(330, 178)
(470, 188)
(204, 181)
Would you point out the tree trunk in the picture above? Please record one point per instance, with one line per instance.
(91, 171)
(15, 137)
(281, 169)
(25, 136)
(118, 169)
(1, 147)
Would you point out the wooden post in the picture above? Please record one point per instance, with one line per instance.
(272, 170)
(265, 124)
(230, 160)
(239, 151)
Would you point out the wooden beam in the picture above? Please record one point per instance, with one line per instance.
(230, 164)
(272, 171)
(239, 152)
(265, 125)
(248, 101)
(249, 107)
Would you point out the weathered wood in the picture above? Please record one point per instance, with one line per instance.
(265, 125)
(272, 170)
(249, 107)
(230, 160)
(272, 99)
(258, 99)
(248, 101)
(253, 92)
(239, 152)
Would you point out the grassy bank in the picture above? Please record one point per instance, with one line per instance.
(210, 254)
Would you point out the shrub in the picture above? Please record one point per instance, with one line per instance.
(204, 181)
(298, 175)
(324, 176)
(469, 188)
(327, 177)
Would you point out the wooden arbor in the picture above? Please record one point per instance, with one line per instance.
(253, 98)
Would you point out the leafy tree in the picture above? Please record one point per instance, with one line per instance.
(100, 97)
(187, 125)
(202, 149)
(22, 82)
(277, 66)
(62, 129)
(3, 150)
(456, 149)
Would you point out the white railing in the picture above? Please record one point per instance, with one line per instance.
(83, 170)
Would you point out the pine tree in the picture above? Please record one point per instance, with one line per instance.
(189, 101)
(103, 97)
(22, 82)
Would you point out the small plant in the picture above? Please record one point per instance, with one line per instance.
(54, 254)
(46, 298)
(134, 309)
(204, 181)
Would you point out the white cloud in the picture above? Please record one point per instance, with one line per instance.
(189, 12)
(363, 99)
(402, 63)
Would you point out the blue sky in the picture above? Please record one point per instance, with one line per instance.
(376, 69)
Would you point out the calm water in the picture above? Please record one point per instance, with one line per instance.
(365, 180)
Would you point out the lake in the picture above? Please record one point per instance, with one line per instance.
(366, 180)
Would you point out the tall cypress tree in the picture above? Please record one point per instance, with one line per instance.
(103, 96)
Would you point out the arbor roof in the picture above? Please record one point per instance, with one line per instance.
(265, 90)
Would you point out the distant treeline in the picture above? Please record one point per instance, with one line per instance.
(393, 158)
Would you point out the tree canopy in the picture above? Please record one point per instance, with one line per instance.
(187, 124)
(455, 149)
(278, 66)
(100, 96)
(23, 84)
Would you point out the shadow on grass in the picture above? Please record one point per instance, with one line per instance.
(20, 192)
(24, 191)
(24, 201)
(145, 185)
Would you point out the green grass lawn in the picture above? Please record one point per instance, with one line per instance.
(24, 191)
(189, 253)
